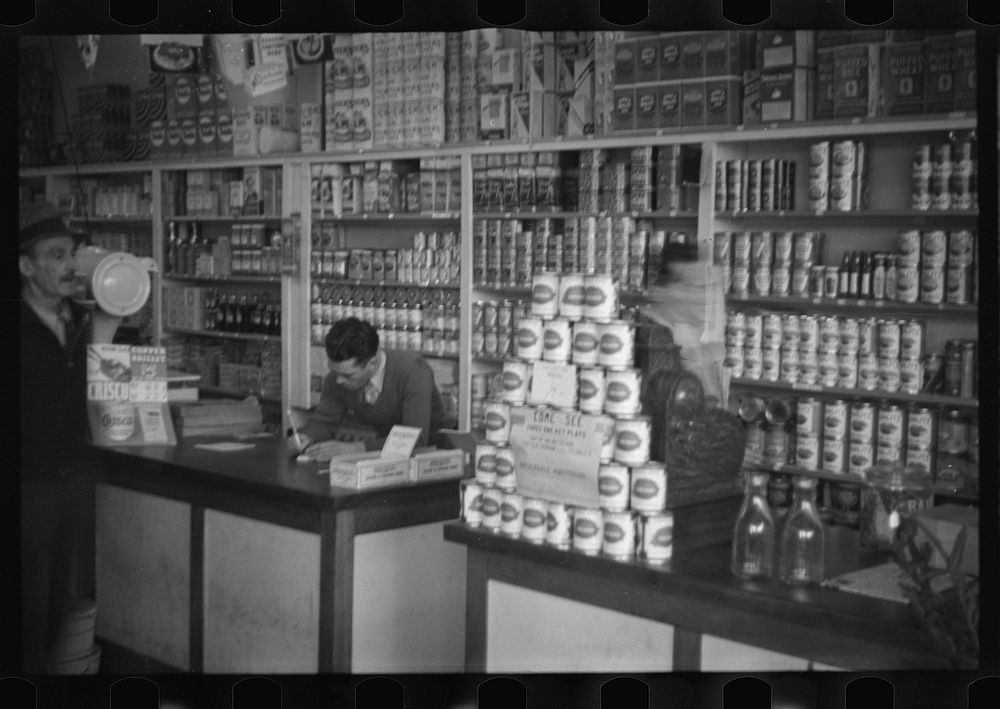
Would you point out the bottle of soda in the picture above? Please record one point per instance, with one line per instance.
(752, 554)
(802, 538)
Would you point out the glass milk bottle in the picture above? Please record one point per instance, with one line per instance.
(754, 534)
(801, 550)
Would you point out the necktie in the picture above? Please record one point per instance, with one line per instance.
(69, 327)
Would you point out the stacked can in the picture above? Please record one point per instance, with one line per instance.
(960, 368)
(765, 185)
(944, 176)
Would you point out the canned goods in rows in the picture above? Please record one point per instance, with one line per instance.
(934, 248)
(781, 280)
(471, 495)
(619, 537)
(808, 332)
(572, 295)
(958, 283)
(734, 360)
(558, 525)
(868, 329)
(761, 278)
(891, 425)
(514, 381)
(828, 369)
(761, 248)
(847, 370)
(907, 284)
(511, 514)
(888, 453)
(835, 455)
(850, 335)
(742, 249)
(862, 422)
(790, 332)
(808, 367)
(601, 297)
(545, 294)
(932, 285)
(753, 363)
(657, 537)
(921, 428)
(754, 330)
(790, 365)
(845, 499)
(819, 197)
(588, 525)
(807, 452)
(632, 440)
(910, 375)
(649, 488)
(771, 364)
(533, 527)
(920, 457)
(908, 246)
(889, 338)
(860, 457)
(776, 445)
(617, 344)
(613, 484)
(961, 248)
(835, 419)
(808, 416)
(492, 500)
(772, 328)
(528, 338)
(829, 334)
(591, 390)
(869, 378)
(784, 251)
(889, 374)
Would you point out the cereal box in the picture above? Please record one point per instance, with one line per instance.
(751, 97)
(903, 78)
(494, 116)
(825, 71)
(693, 55)
(939, 87)
(965, 71)
(856, 81)
(692, 103)
(647, 59)
(670, 56)
(623, 117)
(784, 48)
(722, 101)
(668, 103)
(625, 62)
(646, 106)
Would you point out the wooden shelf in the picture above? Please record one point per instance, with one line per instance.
(219, 391)
(226, 219)
(883, 307)
(529, 214)
(383, 284)
(248, 336)
(817, 390)
(886, 217)
(129, 220)
(224, 279)
(525, 292)
(392, 217)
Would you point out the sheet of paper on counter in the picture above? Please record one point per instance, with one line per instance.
(225, 446)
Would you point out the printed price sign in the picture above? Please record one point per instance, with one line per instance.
(557, 454)
(553, 384)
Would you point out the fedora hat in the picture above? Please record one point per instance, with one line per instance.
(41, 220)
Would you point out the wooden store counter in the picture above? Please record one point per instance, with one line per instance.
(535, 608)
(247, 561)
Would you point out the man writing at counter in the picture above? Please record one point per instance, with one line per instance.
(371, 385)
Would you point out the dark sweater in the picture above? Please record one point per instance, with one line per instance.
(409, 397)
(53, 395)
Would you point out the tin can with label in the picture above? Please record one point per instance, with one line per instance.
(753, 363)
(807, 452)
(817, 281)
(649, 488)
(632, 440)
(657, 537)
(734, 360)
(514, 380)
(791, 335)
(868, 329)
(888, 374)
(860, 457)
(556, 340)
(617, 344)
(909, 245)
(831, 282)
(761, 279)
(889, 338)
(492, 500)
(829, 334)
(911, 339)
(845, 499)
(808, 417)
(784, 250)
(958, 285)
(622, 391)
(907, 284)
(863, 420)
(771, 364)
(961, 248)
(933, 248)
(558, 525)
(850, 335)
(819, 193)
(921, 427)
(781, 279)
(776, 445)
(808, 367)
(891, 425)
(742, 249)
(932, 285)
(572, 295)
(608, 446)
(968, 386)
(591, 389)
(790, 365)
(506, 467)
(497, 421)
(869, 377)
(601, 297)
(834, 455)
(619, 537)
(545, 294)
(847, 370)
(807, 247)
(761, 248)
(910, 375)
(741, 281)
(835, 419)
(528, 338)
(920, 457)
(588, 524)
(754, 328)
(801, 280)
(511, 514)
(471, 494)
(828, 371)
(586, 342)
(888, 454)
(808, 332)
(613, 484)
(486, 464)
(772, 329)
(533, 520)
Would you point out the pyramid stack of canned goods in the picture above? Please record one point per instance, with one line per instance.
(574, 321)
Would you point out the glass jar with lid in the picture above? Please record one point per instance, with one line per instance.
(890, 492)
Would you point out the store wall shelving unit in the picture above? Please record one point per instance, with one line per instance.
(891, 140)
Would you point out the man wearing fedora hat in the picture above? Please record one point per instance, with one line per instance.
(53, 343)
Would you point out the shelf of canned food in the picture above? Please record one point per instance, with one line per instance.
(541, 214)
(919, 398)
(887, 307)
(224, 218)
(394, 217)
(220, 334)
(356, 282)
(221, 279)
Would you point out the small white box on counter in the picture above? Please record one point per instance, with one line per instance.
(437, 465)
(360, 471)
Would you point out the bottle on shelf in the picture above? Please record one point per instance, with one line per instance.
(256, 310)
(753, 549)
(854, 284)
(801, 555)
(844, 287)
(865, 281)
(172, 248)
(193, 249)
